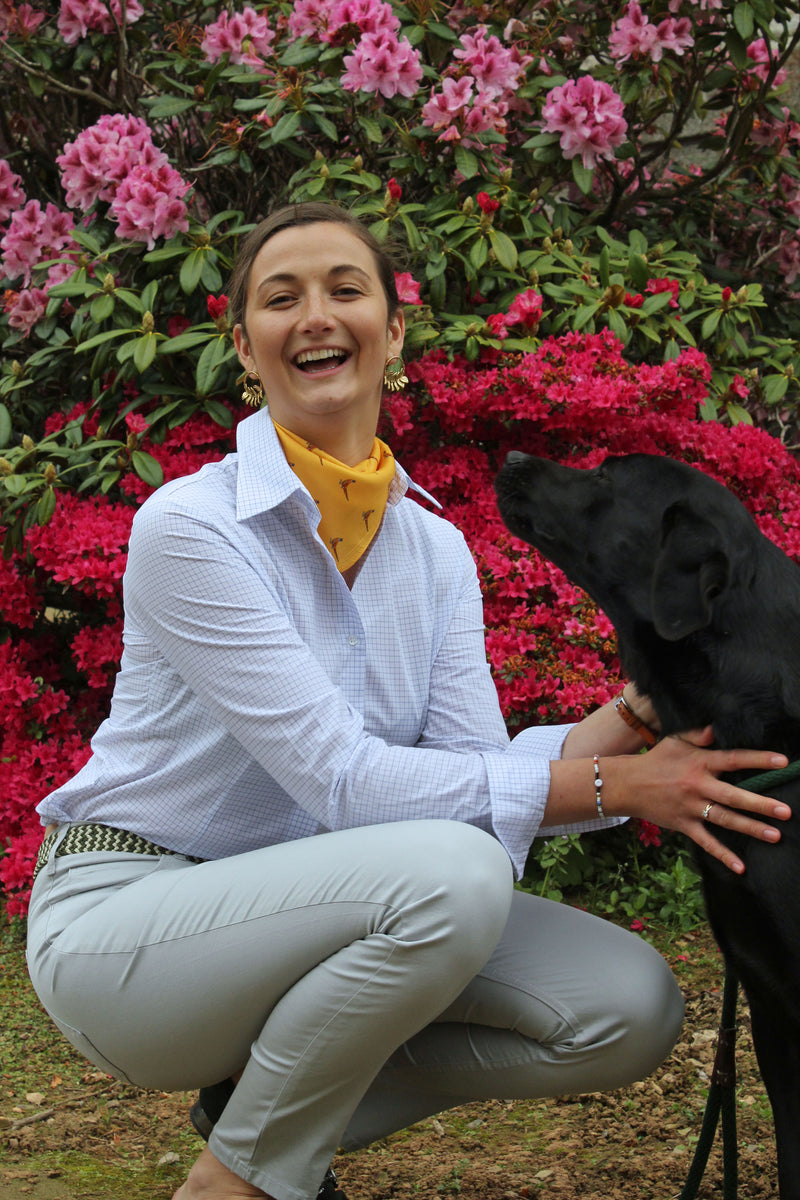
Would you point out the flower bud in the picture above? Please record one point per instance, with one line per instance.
(16, 368)
(6, 467)
(148, 324)
(533, 276)
(49, 473)
(108, 283)
(568, 247)
(547, 245)
(27, 442)
(358, 164)
(741, 295)
(468, 206)
(324, 171)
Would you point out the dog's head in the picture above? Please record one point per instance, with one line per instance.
(651, 540)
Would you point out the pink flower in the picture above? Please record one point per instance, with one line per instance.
(486, 204)
(632, 35)
(11, 193)
(393, 190)
(77, 18)
(759, 52)
(149, 204)
(368, 16)
(649, 834)
(26, 308)
(34, 235)
(217, 306)
(407, 288)
(246, 37)
(637, 925)
(497, 325)
(498, 69)
(655, 286)
(93, 166)
(136, 422)
(526, 309)
(588, 115)
(438, 112)
(635, 301)
(383, 63)
(21, 21)
(309, 18)
(675, 36)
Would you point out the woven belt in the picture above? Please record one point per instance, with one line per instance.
(87, 839)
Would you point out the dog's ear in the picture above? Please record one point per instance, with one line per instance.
(690, 571)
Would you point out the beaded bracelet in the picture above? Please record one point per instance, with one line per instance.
(598, 785)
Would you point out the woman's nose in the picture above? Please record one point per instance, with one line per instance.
(316, 312)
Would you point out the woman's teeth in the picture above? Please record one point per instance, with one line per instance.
(319, 360)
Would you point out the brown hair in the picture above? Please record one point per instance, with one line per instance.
(307, 213)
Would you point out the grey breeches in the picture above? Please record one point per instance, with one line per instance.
(362, 980)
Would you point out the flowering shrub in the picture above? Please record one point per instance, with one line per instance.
(557, 177)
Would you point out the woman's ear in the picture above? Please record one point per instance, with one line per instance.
(397, 332)
(243, 348)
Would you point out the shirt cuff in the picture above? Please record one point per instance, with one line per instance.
(519, 783)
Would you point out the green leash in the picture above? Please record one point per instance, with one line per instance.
(722, 1089)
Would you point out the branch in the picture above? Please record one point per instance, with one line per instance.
(29, 69)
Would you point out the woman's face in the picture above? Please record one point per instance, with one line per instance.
(318, 330)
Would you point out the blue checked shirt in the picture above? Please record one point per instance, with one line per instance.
(260, 700)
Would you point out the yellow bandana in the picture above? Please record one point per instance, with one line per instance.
(351, 500)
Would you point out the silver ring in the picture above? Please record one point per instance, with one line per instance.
(707, 810)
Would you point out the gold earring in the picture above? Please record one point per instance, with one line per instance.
(394, 374)
(253, 390)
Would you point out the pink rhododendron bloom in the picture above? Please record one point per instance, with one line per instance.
(383, 63)
(632, 35)
(310, 18)
(368, 16)
(19, 21)
(149, 204)
(12, 196)
(93, 166)
(136, 423)
(439, 111)
(675, 36)
(246, 37)
(758, 51)
(588, 115)
(655, 286)
(497, 325)
(34, 235)
(498, 69)
(789, 260)
(26, 308)
(407, 288)
(526, 309)
(77, 18)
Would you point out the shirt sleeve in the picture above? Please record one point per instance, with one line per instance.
(220, 623)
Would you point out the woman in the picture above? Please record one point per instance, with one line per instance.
(289, 860)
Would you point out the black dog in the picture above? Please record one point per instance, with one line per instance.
(707, 614)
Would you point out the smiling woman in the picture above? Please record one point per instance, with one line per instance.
(284, 875)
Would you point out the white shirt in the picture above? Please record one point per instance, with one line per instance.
(260, 700)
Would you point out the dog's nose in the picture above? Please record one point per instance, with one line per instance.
(515, 456)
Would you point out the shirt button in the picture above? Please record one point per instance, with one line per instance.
(353, 640)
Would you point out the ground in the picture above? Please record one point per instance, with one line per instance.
(68, 1132)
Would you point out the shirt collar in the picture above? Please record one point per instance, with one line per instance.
(266, 480)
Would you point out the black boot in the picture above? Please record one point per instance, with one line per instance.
(207, 1110)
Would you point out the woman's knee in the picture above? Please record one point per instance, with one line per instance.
(466, 875)
(651, 1012)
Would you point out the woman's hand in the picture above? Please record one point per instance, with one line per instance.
(676, 785)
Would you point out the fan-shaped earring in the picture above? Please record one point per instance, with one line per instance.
(253, 390)
(394, 374)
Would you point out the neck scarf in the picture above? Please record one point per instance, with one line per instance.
(351, 500)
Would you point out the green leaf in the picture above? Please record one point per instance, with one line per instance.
(101, 307)
(738, 415)
(191, 270)
(144, 351)
(710, 324)
(603, 266)
(326, 126)
(209, 363)
(743, 21)
(286, 127)
(147, 468)
(466, 162)
(583, 176)
(45, 506)
(639, 271)
(775, 388)
(219, 413)
(5, 426)
(679, 328)
(504, 249)
(168, 106)
(185, 341)
(99, 338)
(372, 129)
(584, 315)
(478, 253)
